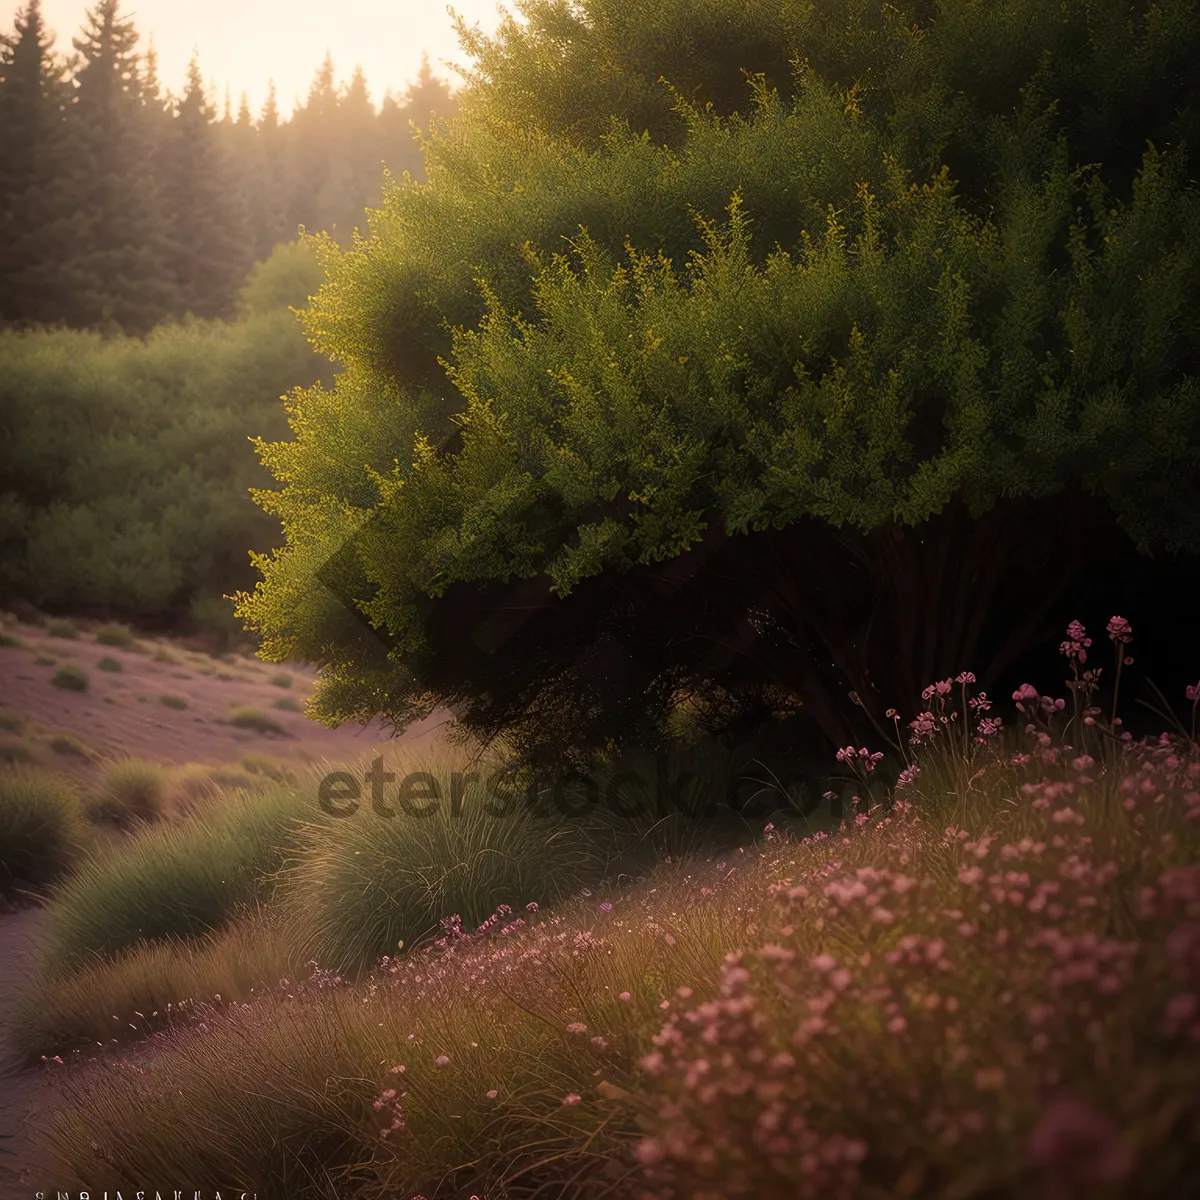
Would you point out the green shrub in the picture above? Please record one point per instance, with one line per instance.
(11, 640)
(59, 628)
(286, 279)
(281, 681)
(11, 722)
(42, 831)
(127, 462)
(176, 880)
(109, 664)
(256, 719)
(288, 704)
(72, 679)
(176, 702)
(743, 331)
(212, 614)
(131, 789)
(117, 635)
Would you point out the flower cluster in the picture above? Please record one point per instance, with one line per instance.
(868, 760)
(981, 1005)
(1077, 641)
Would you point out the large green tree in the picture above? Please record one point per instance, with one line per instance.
(743, 356)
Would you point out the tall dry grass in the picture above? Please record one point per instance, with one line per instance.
(914, 1005)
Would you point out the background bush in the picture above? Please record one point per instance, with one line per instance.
(126, 461)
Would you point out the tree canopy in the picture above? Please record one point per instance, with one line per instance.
(735, 356)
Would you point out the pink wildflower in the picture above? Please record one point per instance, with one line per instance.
(1119, 630)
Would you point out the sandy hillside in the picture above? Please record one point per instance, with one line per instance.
(160, 701)
(153, 699)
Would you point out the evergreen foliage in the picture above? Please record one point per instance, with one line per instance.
(744, 356)
(121, 205)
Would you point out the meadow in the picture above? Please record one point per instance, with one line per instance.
(982, 979)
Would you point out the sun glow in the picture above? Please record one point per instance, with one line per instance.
(245, 44)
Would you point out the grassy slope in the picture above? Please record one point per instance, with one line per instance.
(948, 1000)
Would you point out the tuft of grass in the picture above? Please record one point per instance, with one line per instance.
(45, 660)
(288, 704)
(233, 778)
(256, 719)
(152, 987)
(64, 743)
(281, 680)
(175, 880)
(176, 702)
(71, 678)
(266, 765)
(14, 752)
(42, 830)
(166, 655)
(131, 789)
(10, 640)
(191, 787)
(11, 722)
(117, 635)
(360, 884)
(61, 628)
(109, 664)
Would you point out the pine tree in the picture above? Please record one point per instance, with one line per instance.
(209, 256)
(37, 221)
(267, 175)
(128, 285)
(312, 136)
(424, 102)
(357, 168)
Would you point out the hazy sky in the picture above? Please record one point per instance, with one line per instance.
(247, 43)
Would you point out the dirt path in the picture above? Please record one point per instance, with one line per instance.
(25, 1096)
